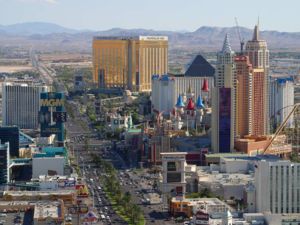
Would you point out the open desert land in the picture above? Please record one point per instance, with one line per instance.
(76, 60)
(14, 69)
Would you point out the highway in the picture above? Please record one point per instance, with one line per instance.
(47, 75)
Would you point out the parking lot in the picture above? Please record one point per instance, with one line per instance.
(18, 218)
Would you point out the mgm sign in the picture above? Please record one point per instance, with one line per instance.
(52, 114)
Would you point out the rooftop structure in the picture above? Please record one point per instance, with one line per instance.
(48, 210)
(68, 196)
(190, 206)
(223, 184)
(200, 68)
(253, 145)
(144, 38)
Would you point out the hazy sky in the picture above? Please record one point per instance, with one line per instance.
(282, 15)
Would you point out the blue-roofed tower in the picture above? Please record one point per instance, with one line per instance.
(199, 103)
(180, 103)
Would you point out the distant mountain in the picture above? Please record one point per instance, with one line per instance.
(31, 28)
(55, 37)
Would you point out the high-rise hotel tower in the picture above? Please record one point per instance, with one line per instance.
(129, 63)
(244, 115)
(224, 101)
(21, 104)
(258, 54)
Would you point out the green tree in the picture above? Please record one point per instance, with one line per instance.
(126, 200)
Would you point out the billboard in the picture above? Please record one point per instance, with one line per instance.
(82, 190)
(193, 158)
(59, 117)
(179, 191)
(66, 183)
(52, 102)
(201, 218)
(224, 119)
(78, 209)
(173, 177)
(171, 166)
(52, 114)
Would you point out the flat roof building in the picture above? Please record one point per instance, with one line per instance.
(11, 135)
(129, 62)
(4, 163)
(48, 213)
(21, 104)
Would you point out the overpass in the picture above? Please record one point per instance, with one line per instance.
(20, 162)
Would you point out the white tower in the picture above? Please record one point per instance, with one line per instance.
(173, 174)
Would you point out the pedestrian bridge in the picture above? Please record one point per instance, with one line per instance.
(20, 162)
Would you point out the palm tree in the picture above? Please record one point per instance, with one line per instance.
(136, 214)
(126, 200)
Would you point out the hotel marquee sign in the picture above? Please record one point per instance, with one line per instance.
(153, 38)
(52, 102)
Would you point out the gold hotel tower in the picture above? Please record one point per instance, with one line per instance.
(129, 63)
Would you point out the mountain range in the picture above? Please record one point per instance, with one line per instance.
(205, 38)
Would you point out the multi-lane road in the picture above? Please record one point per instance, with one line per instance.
(135, 183)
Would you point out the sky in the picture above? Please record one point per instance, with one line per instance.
(176, 15)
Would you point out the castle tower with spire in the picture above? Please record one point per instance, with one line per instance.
(224, 101)
(258, 54)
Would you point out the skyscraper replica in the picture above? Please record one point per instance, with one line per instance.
(129, 63)
(224, 101)
(21, 104)
(244, 101)
(258, 54)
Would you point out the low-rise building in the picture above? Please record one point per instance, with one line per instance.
(49, 213)
(68, 196)
(227, 186)
(119, 122)
(56, 182)
(47, 166)
(254, 145)
(190, 206)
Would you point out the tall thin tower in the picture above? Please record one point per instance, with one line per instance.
(258, 54)
(244, 96)
(224, 101)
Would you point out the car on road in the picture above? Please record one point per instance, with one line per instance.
(102, 217)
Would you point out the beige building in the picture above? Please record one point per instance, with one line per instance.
(129, 63)
(258, 54)
(244, 96)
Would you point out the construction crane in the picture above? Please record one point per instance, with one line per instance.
(279, 129)
(240, 36)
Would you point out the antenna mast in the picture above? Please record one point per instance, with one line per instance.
(239, 33)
